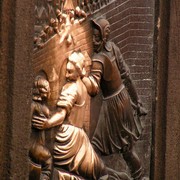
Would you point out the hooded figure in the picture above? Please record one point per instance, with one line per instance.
(117, 129)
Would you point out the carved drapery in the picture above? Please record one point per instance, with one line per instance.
(62, 28)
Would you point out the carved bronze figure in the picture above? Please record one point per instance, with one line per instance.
(74, 156)
(40, 156)
(117, 129)
(72, 150)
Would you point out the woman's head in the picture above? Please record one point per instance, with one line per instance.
(75, 66)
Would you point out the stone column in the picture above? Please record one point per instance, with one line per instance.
(16, 49)
(166, 149)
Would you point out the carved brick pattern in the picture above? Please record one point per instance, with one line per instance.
(45, 9)
(132, 30)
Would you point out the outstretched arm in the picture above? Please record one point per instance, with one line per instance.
(135, 100)
(45, 123)
(57, 119)
(92, 82)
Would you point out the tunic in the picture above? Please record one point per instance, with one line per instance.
(116, 127)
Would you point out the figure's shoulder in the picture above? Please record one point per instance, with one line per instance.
(99, 57)
(70, 87)
(96, 55)
(109, 46)
(36, 106)
(100, 60)
(114, 46)
(35, 103)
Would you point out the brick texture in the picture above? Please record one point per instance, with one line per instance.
(132, 30)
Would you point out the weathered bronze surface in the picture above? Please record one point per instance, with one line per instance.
(73, 154)
(40, 156)
(66, 73)
(147, 34)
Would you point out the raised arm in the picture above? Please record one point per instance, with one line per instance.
(92, 82)
(65, 103)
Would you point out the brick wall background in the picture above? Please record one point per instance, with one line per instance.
(132, 30)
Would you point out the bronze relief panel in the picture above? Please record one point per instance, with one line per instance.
(75, 66)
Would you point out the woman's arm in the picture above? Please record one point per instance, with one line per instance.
(45, 123)
(92, 82)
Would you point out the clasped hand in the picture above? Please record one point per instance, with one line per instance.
(40, 122)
